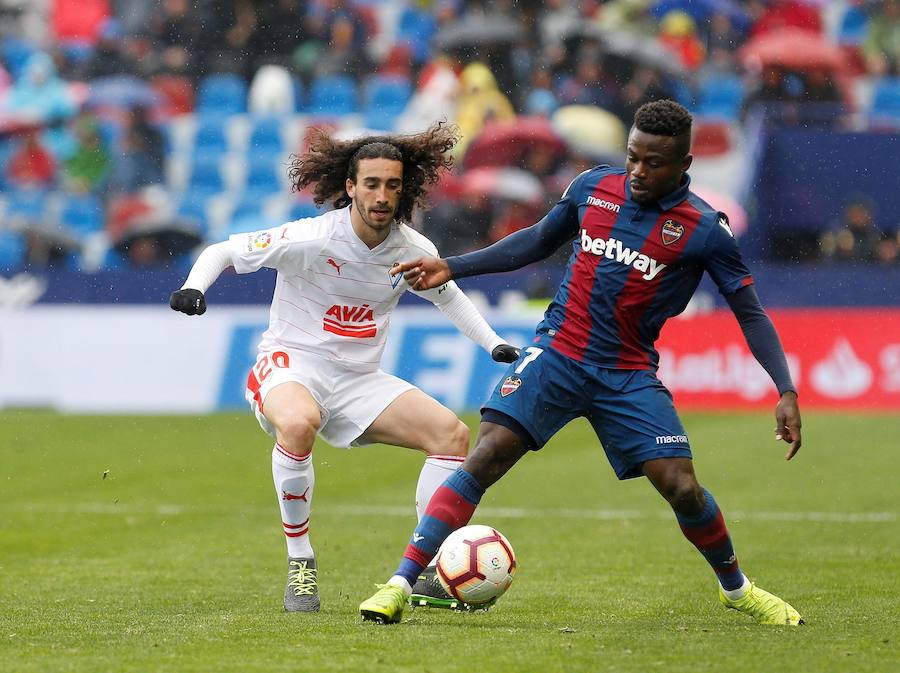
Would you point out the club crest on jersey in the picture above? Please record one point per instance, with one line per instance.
(357, 322)
(510, 385)
(671, 232)
(395, 280)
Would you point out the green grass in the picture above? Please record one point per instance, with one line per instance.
(174, 561)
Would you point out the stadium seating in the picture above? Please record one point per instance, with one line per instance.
(262, 174)
(385, 100)
(176, 93)
(194, 210)
(222, 94)
(26, 204)
(885, 110)
(82, 214)
(12, 250)
(720, 96)
(266, 137)
(333, 96)
(853, 26)
(301, 209)
(710, 139)
(210, 137)
(206, 178)
(15, 52)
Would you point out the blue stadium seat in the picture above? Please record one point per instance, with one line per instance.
(886, 100)
(82, 214)
(720, 97)
(386, 98)
(266, 138)
(302, 209)
(250, 207)
(681, 92)
(194, 210)
(113, 261)
(12, 250)
(206, 178)
(28, 204)
(853, 26)
(299, 95)
(222, 94)
(15, 52)
(210, 137)
(262, 175)
(416, 28)
(333, 96)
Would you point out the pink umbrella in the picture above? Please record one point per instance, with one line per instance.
(503, 182)
(507, 143)
(793, 49)
(737, 214)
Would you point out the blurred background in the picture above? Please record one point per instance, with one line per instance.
(133, 133)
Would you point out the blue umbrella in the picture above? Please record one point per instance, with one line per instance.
(121, 91)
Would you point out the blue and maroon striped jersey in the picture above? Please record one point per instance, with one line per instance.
(632, 268)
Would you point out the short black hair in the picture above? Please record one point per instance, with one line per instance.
(665, 118)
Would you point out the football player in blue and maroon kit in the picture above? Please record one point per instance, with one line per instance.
(642, 241)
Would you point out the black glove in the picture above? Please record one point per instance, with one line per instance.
(188, 301)
(505, 353)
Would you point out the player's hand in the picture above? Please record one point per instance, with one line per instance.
(424, 273)
(787, 417)
(505, 353)
(188, 301)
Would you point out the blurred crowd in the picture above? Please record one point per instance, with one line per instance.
(133, 131)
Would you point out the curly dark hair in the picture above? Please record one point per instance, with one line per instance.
(329, 163)
(665, 118)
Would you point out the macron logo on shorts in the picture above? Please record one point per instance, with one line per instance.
(612, 248)
(672, 439)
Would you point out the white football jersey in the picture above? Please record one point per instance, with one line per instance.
(333, 295)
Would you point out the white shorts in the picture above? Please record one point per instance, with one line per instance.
(349, 401)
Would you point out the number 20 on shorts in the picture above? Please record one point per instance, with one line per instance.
(263, 366)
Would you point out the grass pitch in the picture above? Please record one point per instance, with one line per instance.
(154, 544)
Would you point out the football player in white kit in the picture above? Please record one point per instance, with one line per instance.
(317, 371)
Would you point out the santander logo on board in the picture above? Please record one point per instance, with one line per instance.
(350, 321)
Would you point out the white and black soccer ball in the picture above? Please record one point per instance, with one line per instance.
(476, 564)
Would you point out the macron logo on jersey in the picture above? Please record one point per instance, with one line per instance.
(602, 203)
(613, 249)
(350, 321)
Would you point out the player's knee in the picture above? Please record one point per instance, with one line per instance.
(296, 434)
(685, 496)
(454, 441)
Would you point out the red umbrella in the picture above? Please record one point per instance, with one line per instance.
(793, 49)
(507, 143)
(503, 182)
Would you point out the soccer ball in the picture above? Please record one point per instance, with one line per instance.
(476, 564)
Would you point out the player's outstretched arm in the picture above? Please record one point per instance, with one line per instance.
(766, 348)
(210, 264)
(424, 273)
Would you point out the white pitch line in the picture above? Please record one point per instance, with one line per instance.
(408, 512)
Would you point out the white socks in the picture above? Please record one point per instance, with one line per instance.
(434, 473)
(294, 480)
(737, 594)
(401, 582)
